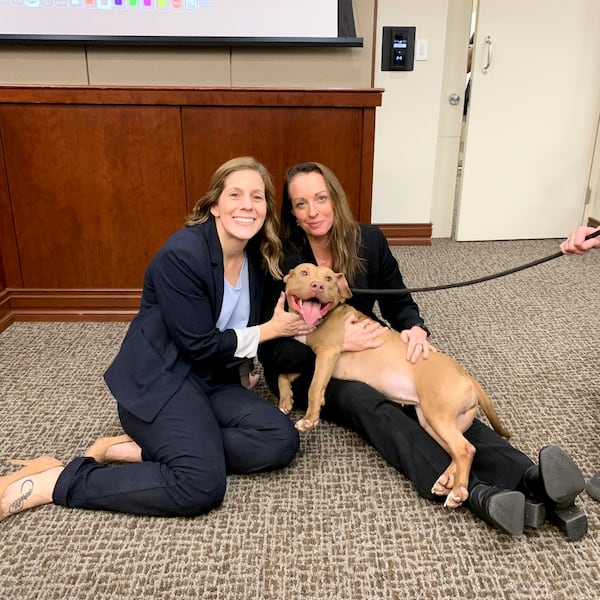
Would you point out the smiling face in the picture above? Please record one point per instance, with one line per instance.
(312, 292)
(311, 204)
(241, 208)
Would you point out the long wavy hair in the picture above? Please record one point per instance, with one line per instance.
(267, 239)
(344, 235)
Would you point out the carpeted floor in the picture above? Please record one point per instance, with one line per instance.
(340, 523)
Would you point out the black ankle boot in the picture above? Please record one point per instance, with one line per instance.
(556, 483)
(593, 487)
(502, 509)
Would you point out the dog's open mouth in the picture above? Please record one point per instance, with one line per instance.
(310, 310)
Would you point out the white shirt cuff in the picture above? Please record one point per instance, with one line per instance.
(247, 341)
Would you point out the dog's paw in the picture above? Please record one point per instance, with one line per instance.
(444, 483)
(286, 409)
(306, 424)
(456, 497)
(440, 490)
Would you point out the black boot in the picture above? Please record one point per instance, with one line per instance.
(593, 487)
(502, 509)
(556, 482)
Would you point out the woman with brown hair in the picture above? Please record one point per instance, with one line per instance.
(505, 489)
(189, 422)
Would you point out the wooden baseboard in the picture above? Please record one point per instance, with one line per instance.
(67, 305)
(5, 313)
(410, 234)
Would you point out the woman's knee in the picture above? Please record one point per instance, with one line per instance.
(286, 447)
(198, 492)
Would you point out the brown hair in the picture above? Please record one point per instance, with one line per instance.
(345, 233)
(270, 244)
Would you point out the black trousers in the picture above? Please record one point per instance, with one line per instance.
(188, 450)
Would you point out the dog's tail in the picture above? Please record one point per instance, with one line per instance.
(488, 408)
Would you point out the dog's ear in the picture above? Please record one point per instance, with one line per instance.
(343, 286)
(288, 275)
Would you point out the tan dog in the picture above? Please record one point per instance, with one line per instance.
(444, 394)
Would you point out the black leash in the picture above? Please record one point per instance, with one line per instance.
(458, 284)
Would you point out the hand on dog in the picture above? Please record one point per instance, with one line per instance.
(416, 340)
(284, 324)
(361, 335)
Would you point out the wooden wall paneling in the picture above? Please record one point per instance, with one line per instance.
(6, 315)
(366, 168)
(279, 138)
(332, 137)
(212, 135)
(93, 179)
(95, 190)
(10, 270)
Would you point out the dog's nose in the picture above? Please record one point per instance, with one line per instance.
(316, 286)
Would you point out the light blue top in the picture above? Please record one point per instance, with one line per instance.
(235, 311)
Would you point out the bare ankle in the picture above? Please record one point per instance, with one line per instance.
(124, 452)
(29, 492)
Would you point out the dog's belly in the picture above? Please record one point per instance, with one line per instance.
(386, 379)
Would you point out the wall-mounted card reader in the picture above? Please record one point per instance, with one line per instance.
(398, 49)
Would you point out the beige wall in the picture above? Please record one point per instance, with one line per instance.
(416, 141)
(189, 66)
(408, 121)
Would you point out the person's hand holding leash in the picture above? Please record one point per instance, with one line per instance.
(577, 243)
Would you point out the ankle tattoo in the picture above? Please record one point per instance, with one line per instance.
(26, 491)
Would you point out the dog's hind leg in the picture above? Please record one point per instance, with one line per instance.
(462, 453)
(446, 430)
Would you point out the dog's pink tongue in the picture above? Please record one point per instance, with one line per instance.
(311, 311)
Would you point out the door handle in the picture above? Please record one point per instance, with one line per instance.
(488, 41)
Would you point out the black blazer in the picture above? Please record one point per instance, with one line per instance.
(175, 331)
(381, 272)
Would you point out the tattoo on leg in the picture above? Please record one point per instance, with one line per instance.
(26, 491)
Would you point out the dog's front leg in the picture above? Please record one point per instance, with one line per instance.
(324, 363)
(286, 394)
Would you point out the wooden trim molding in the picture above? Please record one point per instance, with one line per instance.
(182, 96)
(6, 317)
(410, 234)
(67, 305)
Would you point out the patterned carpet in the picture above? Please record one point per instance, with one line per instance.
(340, 523)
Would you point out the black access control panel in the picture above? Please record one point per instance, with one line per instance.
(398, 49)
